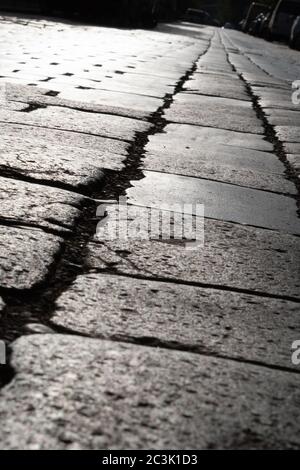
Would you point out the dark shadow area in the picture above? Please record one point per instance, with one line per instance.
(132, 13)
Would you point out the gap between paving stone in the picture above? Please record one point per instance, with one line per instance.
(176, 316)
(269, 131)
(205, 365)
(38, 304)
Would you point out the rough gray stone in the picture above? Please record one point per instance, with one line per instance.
(101, 101)
(233, 255)
(56, 117)
(222, 113)
(78, 393)
(25, 203)
(294, 161)
(283, 117)
(201, 136)
(11, 105)
(260, 80)
(57, 156)
(288, 133)
(215, 85)
(211, 321)
(192, 151)
(213, 63)
(26, 256)
(139, 84)
(292, 148)
(221, 200)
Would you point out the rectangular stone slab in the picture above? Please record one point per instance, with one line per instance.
(26, 256)
(56, 117)
(58, 156)
(201, 135)
(70, 392)
(25, 203)
(222, 113)
(233, 256)
(221, 201)
(288, 133)
(209, 321)
(191, 152)
(214, 85)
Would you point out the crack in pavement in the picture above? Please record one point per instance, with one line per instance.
(38, 304)
(269, 130)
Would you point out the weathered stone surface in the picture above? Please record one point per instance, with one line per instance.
(277, 61)
(274, 99)
(200, 152)
(291, 147)
(11, 105)
(221, 200)
(43, 206)
(58, 156)
(288, 133)
(294, 161)
(262, 80)
(233, 255)
(215, 85)
(102, 101)
(26, 255)
(222, 113)
(206, 320)
(78, 393)
(56, 117)
(139, 84)
(201, 136)
(283, 117)
(214, 62)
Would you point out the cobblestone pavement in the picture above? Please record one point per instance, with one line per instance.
(131, 344)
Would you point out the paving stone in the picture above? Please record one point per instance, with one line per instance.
(101, 101)
(13, 106)
(216, 74)
(274, 99)
(26, 256)
(205, 320)
(78, 393)
(288, 133)
(25, 203)
(211, 112)
(215, 85)
(233, 255)
(201, 136)
(55, 117)
(221, 200)
(57, 156)
(277, 61)
(214, 63)
(292, 148)
(192, 151)
(277, 117)
(294, 161)
(140, 84)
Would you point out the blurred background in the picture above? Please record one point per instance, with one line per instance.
(222, 10)
(269, 19)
